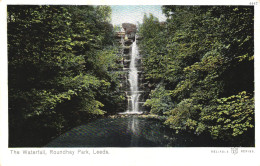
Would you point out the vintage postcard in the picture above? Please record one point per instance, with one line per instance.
(129, 83)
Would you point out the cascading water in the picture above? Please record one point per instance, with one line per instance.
(133, 96)
(133, 80)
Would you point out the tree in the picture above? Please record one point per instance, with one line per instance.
(205, 60)
(54, 77)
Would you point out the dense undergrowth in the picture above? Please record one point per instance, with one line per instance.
(62, 63)
(200, 65)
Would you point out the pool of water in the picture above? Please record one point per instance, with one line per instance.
(130, 131)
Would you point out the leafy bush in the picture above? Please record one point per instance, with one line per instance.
(204, 55)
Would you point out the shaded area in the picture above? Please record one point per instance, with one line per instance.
(119, 132)
(199, 67)
(131, 131)
(63, 66)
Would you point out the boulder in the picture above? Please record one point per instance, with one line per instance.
(130, 30)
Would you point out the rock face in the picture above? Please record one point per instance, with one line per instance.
(129, 49)
(130, 30)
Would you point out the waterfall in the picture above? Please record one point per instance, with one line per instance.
(134, 93)
(133, 80)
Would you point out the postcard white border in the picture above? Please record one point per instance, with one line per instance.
(125, 156)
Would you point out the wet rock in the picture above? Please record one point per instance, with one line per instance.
(128, 42)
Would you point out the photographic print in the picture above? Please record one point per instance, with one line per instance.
(157, 76)
(88, 79)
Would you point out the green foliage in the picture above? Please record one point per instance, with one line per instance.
(104, 13)
(153, 47)
(205, 58)
(61, 63)
(233, 115)
(159, 101)
(117, 28)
